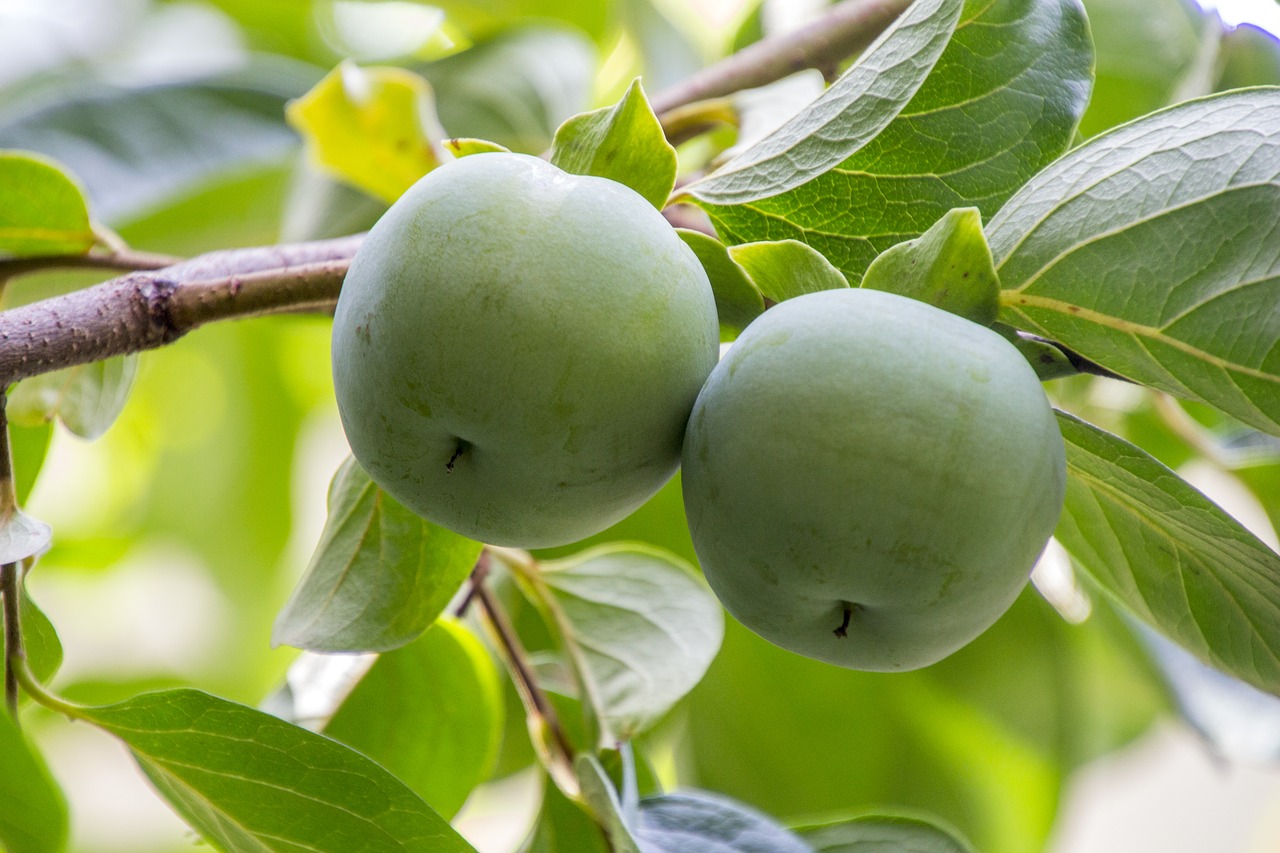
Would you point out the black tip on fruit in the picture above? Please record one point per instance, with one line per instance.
(842, 630)
(457, 453)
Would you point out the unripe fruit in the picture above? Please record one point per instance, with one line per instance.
(869, 479)
(516, 350)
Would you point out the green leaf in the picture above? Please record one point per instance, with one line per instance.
(948, 267)
(246, 780)
(624, 143)
(875, 833)
(515, 88)
(646, 627)
(844, 118)
(563, 826)
(39, 639)
(602, 801)
(1170, 555)
(431, 713)
(29, 445)
(379, 577)
(375, 128)
(1002, 102)
(42, 210)
(1048, 361)
(466, 146)
(738, 300)
(708, 822)
(1152, 250)
(786, 268)
(136, 148)
(33, 818)
(87, 398)
(1250, 56)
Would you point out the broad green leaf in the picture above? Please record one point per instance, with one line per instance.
(246, 780)
(1002, 102)
(87, 398)
(515, 88)
(646, 626)
(1152, 250)
(844, 118)
(694, 822)
(602, 801)
(876, 833)
(134, 149)
(39, 639)
(563, 826)
(42, 210)
(1250, 56)
(1171, 556)
(786, 268)
(948, 267)
(375, 128)
(1145, 48)
(29, 445)
(33, 817)
(379, 577)
(738, 300)
(624, 143)
(466, 146)
(431, 713)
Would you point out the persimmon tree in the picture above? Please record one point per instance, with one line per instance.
(1114, 221)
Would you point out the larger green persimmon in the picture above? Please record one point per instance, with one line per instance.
(516, 350)
(869, 479)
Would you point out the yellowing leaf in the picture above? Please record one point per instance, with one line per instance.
(42, 210)
(375, 128)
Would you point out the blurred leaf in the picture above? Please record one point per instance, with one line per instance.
(738, 300)
(623, 143)
(246, 780)
(320, 207)
(29, 445)
(430, 713)
(700, 822)
(874, 833)
(563, 826)
(602, 800)
(42, 210)
(379, 577)
(844, 118)
(948, 267)
(1145, 48)
(666, 53)
(1171, 556)
(1001, 103)
(466, 146)
(517, 87)
(645, 624)
(34, 816)
(134, 149)
(786, 268)
(39, 639)
(22, 536)
(1250, 56)
(482, 17)
(375, 128)
(87, 398)
(1152, 251)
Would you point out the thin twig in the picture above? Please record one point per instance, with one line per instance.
(844, 30)
(122, 260)
(145, 310)
(14, 655)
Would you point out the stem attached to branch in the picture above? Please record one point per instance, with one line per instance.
(844, 30)
(14, 655)
(125, 259)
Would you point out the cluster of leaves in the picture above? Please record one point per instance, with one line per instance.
(1145, 252)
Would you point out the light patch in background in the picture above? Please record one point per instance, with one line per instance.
(375, 31)
(1260, 13)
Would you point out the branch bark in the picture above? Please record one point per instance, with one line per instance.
(145, 310)
(844, 30)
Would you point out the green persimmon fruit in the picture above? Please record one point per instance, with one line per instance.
(869, 479)
(516, 350)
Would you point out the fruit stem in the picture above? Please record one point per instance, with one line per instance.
(457, 453)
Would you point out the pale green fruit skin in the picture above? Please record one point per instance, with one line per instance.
(554, 323)
(859, 447)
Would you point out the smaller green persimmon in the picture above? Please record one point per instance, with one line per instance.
(869, 479)
(516, 350)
